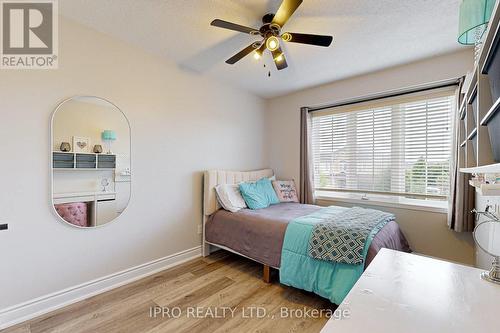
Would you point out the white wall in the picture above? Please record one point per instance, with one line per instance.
(181, 123)
(283, 128)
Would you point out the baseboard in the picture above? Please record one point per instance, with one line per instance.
(45, 304)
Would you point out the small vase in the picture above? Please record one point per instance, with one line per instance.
(98, 149)
(65, 146)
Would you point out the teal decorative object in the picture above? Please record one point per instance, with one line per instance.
(474, 18)
(259, 195)
(108, 136)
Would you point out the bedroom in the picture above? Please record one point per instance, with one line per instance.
(160, 66)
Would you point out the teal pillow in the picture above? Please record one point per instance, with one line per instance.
(259, 194)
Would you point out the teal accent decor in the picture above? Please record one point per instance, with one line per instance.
(325, 278)
(259, 195)
(108, 135)
(474, 18)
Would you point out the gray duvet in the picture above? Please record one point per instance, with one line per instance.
(259, 234)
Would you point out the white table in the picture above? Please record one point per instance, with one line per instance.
(407, 293)
(61, 198)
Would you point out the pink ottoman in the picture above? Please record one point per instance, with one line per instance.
(74, 213)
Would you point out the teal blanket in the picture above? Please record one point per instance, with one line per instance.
(342, 237)
(327, 279)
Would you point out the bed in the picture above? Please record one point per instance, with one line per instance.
(260, 234)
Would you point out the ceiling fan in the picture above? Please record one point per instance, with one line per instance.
(271, 32)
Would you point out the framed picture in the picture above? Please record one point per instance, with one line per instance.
(81, 144)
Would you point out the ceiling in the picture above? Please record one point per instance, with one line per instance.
(368, 36)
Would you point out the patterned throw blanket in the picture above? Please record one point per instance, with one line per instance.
(342, 237)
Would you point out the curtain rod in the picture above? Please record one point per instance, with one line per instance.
(388, 94)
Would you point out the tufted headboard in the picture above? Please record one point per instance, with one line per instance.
(212, 178)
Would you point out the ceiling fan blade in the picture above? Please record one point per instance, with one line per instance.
(286, 10)
(233, 26)
(279, 59)
(318, 40)
(240, 55)
(262, 48)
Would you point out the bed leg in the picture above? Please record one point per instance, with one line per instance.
(266, 274)
(206, 249)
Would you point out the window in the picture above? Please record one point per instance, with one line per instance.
(400, 148)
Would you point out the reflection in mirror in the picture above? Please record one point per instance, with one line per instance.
(90, 161)
(487, 237)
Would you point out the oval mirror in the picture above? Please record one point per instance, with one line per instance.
(487, 236)
(90, 158)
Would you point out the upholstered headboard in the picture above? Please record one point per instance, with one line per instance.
(212, 178)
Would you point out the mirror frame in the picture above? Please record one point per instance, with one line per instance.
(478, 243)
(51, 162)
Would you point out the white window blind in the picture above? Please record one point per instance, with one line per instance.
(401, 149)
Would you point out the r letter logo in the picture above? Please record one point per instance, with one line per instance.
(29, 34)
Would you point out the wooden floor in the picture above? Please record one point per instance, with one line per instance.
(206, 284)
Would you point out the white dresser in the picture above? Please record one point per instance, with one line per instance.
(402, 292)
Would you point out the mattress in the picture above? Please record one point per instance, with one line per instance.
(259, 234)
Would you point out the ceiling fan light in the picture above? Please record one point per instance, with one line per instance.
(279, 58)
(256, 56)
(286, 37)
(272, 43)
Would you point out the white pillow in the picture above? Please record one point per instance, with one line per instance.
(229, 197)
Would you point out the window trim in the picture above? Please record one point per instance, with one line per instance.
(395, 194)
(454, 82)
(396, 202)
(386, 102)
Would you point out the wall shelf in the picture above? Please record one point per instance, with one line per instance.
(463, 108)
(492, 168)
(82, 161)
(480, 105)
(491, 112)
(491, 43)
(81, 169)
(472, 134)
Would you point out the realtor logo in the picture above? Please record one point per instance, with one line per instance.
(29, 34)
